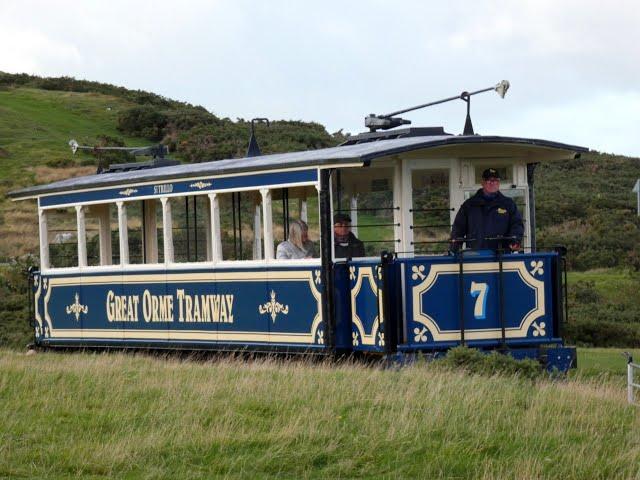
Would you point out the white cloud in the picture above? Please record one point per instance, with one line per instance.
(31, 50)
(337, 61)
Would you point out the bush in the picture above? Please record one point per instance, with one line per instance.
(143, 121)
(475, 361)
(15, 330)
(60, 163)
(596, 332)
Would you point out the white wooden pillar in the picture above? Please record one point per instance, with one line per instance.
(207, 219)
(330, 213)
(123, 233)
(167, 229)
(257, 233)
(44, 239)
(216, 241)
(104, 233)
(268, 223)
(82, 236)
(353, 213)
(398, 229)
(150, 232)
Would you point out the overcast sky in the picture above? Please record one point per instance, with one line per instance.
(574, 66)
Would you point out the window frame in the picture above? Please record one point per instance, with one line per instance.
(212, 237)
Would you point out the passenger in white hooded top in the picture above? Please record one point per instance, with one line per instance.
(298, 245)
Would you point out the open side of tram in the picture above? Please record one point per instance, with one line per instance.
(184, 256)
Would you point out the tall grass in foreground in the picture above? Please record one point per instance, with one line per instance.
(99, 415)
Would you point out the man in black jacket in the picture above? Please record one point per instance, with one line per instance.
(346, 243)
(488, 214)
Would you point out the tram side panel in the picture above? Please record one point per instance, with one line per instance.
(205, 308)
(366, 302)
(444, 308)
(292, 308)
(342, 307)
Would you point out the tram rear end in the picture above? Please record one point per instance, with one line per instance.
(512, 303)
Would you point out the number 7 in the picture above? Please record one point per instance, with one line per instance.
(479, 291)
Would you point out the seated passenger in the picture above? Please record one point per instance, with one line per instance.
(298, 245)
(346, 243)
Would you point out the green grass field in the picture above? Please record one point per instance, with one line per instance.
(137, 416)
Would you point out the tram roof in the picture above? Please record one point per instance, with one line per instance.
(348, 154)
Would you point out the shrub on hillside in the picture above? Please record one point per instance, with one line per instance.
(15, 330)
(596, 332)
(475, 361)
(64, 162)
(142, 121)
(183, 119)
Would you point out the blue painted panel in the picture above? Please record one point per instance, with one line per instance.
(276, 306)
(129, 192)
(342, 306)
(561, 359)
(366, 306)
(433, 304)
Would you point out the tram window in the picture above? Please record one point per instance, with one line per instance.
(92, 230)
(299, 203)
(519, 196)
(115, 234)
(430, 211)
(152, 236)
(62, 237)
(241, 225)
(190, 218)
(134, 231)
(366, 196)
(101, 222)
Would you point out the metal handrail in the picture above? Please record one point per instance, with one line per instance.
(632, 386)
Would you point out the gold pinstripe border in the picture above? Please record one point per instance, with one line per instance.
(191, 277)
(478, 334)
(367, 339)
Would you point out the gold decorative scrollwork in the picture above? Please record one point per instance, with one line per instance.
(128, 192)
(273, 307)
(77, 308)
(200, 185)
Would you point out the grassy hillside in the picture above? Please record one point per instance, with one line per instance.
(587, 205)
(133, 416)
(35, 126)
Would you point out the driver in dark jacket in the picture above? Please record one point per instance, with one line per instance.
(488, 214)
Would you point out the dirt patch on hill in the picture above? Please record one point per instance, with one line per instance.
(4, 153)
(49, 174)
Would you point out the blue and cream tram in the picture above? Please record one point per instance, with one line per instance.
(183, 256)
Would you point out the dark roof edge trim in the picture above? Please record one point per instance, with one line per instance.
(467, 140)
(41, 190)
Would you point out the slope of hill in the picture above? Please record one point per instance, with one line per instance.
(35, 126)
